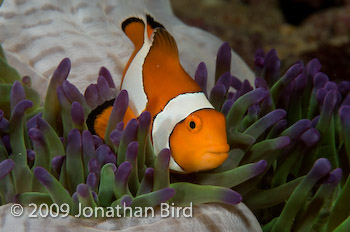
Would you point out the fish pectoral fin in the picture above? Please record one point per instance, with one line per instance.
(129, 114)
(97, 120)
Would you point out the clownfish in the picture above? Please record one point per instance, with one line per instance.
(183, 119)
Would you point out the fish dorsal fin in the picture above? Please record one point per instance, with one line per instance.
(151, 25)
(163, 47)
(163, 76)
(134, 28)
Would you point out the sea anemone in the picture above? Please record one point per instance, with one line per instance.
(289, 137)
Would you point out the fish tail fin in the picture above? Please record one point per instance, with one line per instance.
(134, 28)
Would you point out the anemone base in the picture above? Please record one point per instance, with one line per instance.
(206, 217)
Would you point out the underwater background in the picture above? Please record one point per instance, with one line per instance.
(297, 29)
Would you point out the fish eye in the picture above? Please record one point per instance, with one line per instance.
(194, 123)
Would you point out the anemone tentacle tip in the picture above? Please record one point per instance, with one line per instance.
(83, 190)
(260, 166)
(321, 167)
(126, 201)
(232, 197)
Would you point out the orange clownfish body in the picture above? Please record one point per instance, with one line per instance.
(183, 118)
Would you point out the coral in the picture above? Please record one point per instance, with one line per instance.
(289, 136)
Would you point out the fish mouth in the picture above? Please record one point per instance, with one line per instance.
(211, 157)
(215, 149)
(214, 153)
